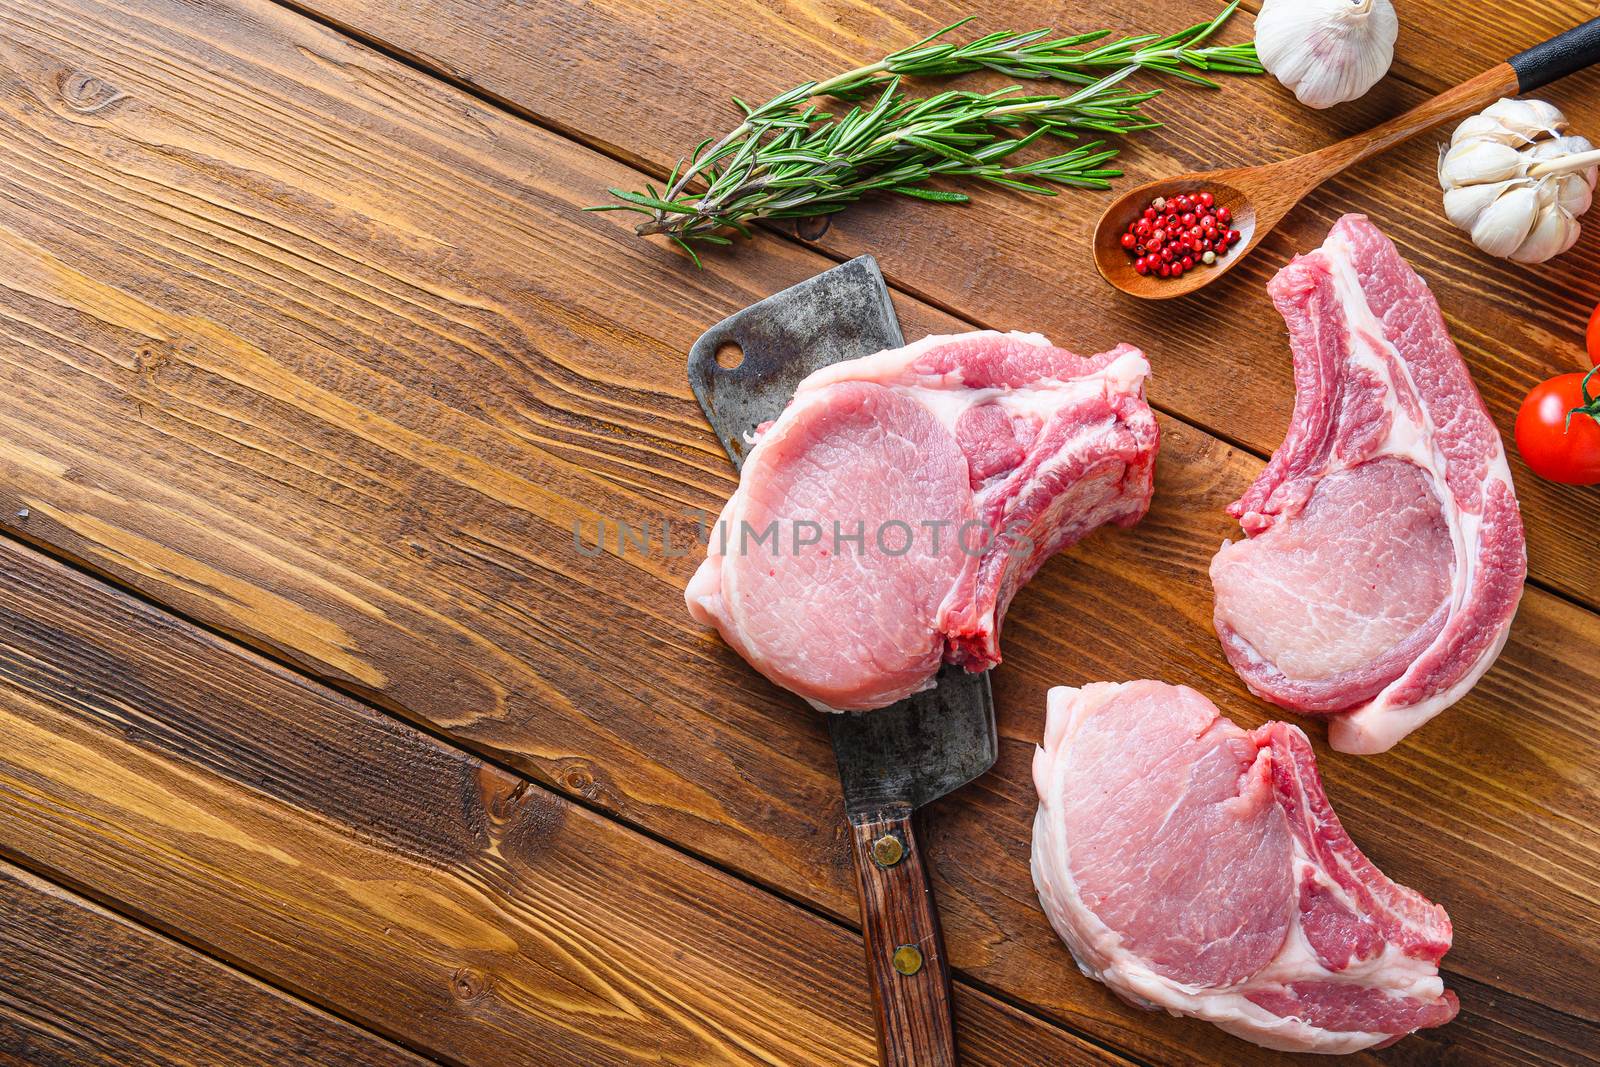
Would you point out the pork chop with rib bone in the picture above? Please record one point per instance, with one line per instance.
(1198, 869)
(1385, 556)
(885, 520)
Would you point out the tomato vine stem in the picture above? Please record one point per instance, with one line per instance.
(1590, 405)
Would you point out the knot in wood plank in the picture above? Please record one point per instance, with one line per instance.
(88, 94)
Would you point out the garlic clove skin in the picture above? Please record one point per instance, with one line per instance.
(1505, 224)
(1476, 162)
(1574, 195)
(1327, 51)
(1554, 233)
(1463, 205)
(1556, 147)
(1531, 119)
(1486, 128)
(1571, 145)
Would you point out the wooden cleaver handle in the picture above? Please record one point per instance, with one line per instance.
(906, 965)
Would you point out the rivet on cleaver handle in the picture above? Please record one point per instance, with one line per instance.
(841, 314)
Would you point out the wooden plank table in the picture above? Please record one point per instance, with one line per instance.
(324, 744)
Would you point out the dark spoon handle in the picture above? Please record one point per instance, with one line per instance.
(1567, 54)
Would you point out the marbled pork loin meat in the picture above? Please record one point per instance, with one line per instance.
(884, 521)
(1198, 869)
(1385, 556)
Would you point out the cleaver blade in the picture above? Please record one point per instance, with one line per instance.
(897, 759)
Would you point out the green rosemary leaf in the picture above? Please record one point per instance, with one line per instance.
(942, 196)
(654, 202)
(687, 247)
(1024, 187)
(795, 155)
(809, 211)
(1195, 79)
(1125, 45)
(619, 207)
(944, 150)
(1006, 146)
(936, 35)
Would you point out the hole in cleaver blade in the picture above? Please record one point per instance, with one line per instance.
(841, 314)
(927, 745)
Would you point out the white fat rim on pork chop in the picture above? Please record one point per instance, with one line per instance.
(1379, 724)
(1097, 949)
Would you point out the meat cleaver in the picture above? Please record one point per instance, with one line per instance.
(894, 760)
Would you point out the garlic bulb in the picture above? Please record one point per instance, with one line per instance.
(1327, 51)
(1517, 182)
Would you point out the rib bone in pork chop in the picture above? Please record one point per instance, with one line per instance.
(1385, 555)
(883, 523)
(1199, 869)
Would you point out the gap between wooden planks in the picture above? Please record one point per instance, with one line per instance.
(87, 987)
(359, 863)
(639, 89)
(369, 467)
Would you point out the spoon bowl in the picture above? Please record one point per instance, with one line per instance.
(1116, 265)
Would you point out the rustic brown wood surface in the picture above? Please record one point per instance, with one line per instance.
(394, 879)
(315, 348)
(88, 988)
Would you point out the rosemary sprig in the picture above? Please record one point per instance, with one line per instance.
(791, 159)
(1036, 56)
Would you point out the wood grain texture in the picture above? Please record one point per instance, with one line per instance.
(359, 861)
(85, 987)
(910, 994)
(1440, 44)
(396, 366)
(1018, 262)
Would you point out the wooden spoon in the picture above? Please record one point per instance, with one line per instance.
(1260, 197)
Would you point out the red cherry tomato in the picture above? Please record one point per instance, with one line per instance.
(1556, 449)
(1593, 337)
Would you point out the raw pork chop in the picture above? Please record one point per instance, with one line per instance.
(909, 495)
(1199, 869)
(1385, 556)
